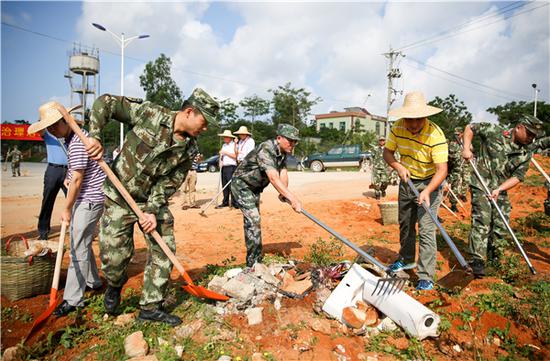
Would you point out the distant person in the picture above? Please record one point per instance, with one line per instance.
(264, 165)
(83, 208)
(189, 185)
(423, 149)
(380, 176)
(502, 160)
(16, 156)
(228, 164)
(245, 144)
(538, 146)
(54, 178)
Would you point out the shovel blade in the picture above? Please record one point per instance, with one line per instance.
(42, 317)
(201, 292)
(456, 280)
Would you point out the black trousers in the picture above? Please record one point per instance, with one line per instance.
(227, 174)
(53, 182)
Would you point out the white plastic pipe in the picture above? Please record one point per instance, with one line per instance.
(415, 318)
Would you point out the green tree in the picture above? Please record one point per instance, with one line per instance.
(509, 113)
(291, 105)
(158, 84)
(454, 114)
(228, 113)
(254, 107)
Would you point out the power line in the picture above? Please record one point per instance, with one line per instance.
(466, 80)
(443, 35)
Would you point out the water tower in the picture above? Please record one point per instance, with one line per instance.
(83, 69)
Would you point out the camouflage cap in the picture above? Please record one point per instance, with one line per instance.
(206, 104)
(288, 131)
(533, 124)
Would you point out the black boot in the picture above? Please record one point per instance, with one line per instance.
(63, 309)
(159, 315)
(478, 267)
(111, 299)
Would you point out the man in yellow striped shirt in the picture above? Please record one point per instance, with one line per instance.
(423, 149)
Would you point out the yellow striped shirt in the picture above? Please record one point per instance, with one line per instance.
(420, 152)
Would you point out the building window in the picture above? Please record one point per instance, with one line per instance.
(378, 128)
(342, 125)
(331, 125)
(323, 125)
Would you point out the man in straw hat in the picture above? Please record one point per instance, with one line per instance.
(228, 164)
(245, 144)
(380, 177)
(157, 154)
(423, 149)
(264, 165)
(84, 206)
(502, 161)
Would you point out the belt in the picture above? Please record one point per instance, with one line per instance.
(57, 165)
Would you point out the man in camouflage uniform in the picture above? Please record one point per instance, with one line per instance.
(155, 159)
(380, 176)
(502, 161)
(264, 165)
(459, 171)
(537, 146)
(16, 157)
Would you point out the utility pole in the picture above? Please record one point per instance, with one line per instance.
(393, 73)
(536, 93)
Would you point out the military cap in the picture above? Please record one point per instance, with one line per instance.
(288, 131)
(533, 124)
(205, 103)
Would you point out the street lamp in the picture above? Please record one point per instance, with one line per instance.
(123, 43)
(536, 94)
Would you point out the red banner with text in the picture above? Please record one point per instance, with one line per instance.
(18, 132)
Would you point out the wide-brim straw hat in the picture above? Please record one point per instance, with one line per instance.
(226, 133)
(49, 115)
(414, 106)
(242, 130)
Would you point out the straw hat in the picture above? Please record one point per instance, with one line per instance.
(414, 106)
(49, 115)
(242, 130)
(226, 133)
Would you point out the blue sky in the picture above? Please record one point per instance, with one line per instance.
(238, 49)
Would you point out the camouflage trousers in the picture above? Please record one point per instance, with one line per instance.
(410, 213)
(380, 181)
(16, 169)
(116, 248)
(459, 184)
(249, 204)
(488, 236)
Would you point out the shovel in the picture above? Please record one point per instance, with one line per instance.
(202, 213)
(55, 284)
(456, 279)
(189, 286)
(384, 286)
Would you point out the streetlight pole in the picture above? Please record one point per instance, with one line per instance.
(536, 95)
(123, 41)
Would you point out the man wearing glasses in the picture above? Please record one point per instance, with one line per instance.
(264, 165)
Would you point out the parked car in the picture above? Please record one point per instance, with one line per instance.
(338, 156)
(292, 163)
(209, 165)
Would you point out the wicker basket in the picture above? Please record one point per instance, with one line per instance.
(389, 211)
(25, 276)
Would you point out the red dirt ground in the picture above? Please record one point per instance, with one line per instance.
(291, 234)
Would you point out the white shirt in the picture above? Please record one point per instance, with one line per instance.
(229, 148)
(244, 147)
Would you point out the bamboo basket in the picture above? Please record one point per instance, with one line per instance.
(25, 276)
(389, 211)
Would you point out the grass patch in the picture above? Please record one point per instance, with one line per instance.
(323, 253)
(535, 224)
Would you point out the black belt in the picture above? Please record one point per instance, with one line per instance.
(57, 165)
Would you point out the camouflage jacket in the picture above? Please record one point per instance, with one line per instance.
(252, 170)
(540, 144)
(498, 158)
(153, 163)
(456, 162)
(15, 155)
(378, 161)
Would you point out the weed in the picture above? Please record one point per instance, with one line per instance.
(414, 351)
(535, 224)
(323, 253)
(444, 325)
(534, 180)
(510, 268)
(378, 343)
(13, 313)
(273, 259)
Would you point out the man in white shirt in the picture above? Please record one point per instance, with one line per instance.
(245, 144)
(228, 164)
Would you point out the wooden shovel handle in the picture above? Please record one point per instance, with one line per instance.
(127, 197)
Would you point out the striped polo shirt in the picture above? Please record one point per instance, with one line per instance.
(420, 152)
(91, 188)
